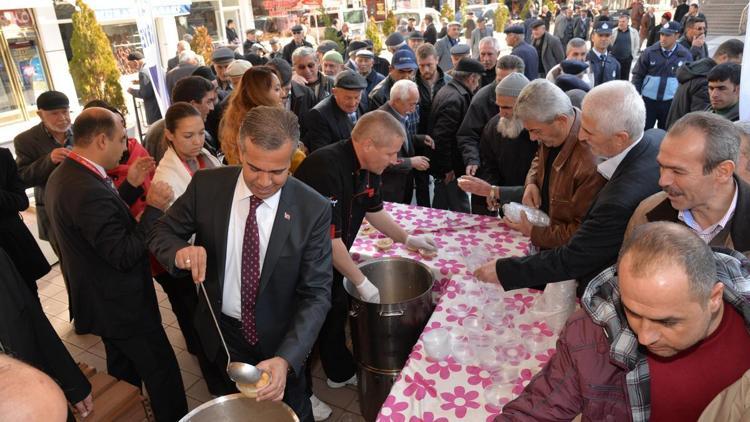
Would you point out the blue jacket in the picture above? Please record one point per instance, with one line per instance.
(530, 58)
(606, 71)
(655, 75)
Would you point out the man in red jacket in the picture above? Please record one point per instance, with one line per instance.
(645, 345)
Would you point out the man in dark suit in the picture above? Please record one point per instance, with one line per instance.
(40, 149)
(430, 33)
(522, 49)
(15, 237)
(616, 133)
(26, 333)
(145, 90)
(268, 277)
(332, 119)
(106, 261)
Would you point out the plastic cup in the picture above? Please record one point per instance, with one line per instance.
(464, 353)
(494, 394)
(473, 323)
(437, 343)
(460, 310)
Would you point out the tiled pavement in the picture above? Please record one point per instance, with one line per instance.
(89, 349)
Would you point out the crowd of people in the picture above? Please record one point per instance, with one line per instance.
(256, 180)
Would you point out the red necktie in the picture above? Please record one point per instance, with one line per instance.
(250, 272)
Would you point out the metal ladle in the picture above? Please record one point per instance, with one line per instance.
(239, 372)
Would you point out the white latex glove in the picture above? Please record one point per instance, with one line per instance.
(421, 242)
(368, 292)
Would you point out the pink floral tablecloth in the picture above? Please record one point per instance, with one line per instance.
(429, 390)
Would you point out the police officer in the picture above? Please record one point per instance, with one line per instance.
(353, 187)
(604, 66)
(655, 74)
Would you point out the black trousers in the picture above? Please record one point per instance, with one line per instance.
(338, 362)
(422, 187)
(656, 111)
(625, 68)
(183, 297)
(148, 357)
(295, 393)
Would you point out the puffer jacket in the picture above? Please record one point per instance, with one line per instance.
(598, 371)
(692, 94)
(573, 185)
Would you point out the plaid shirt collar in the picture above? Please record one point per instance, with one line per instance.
(68, 136)
(601, 300)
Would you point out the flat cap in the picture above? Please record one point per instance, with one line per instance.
(274, 40)
(670, 28)
(404, 58)
(204, 72)
(394, 39)
(238, 68)
(364, 53)
(573, 67)
(296, 28)
(416, 35)
(603, 27)
(52, 100)
(460, 49)
(326, 46)
(567, 82)
(537, 23)
(136, 55)
(257, 46)
(333, 56)
(354, 46)
(514, 29)
(469, 65)
(348, 79)
(222, 55)
(454, 23)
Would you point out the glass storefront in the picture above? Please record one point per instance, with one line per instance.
(202, 13)
(23, 71)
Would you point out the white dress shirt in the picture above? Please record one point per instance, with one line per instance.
(608, 167)
(265, 215)
(708, 233)
(102, 172)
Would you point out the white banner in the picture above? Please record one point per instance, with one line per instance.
(745, 81)
(151, 54)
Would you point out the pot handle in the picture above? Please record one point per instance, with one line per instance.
(354, 309)
(399, 312)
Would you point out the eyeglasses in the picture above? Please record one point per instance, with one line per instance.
(309, 66)
(296, 32)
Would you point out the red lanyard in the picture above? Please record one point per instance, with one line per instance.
(84, 162)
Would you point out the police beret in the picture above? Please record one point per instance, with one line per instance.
(222, 55)
(296, 28)
(136, 55)
(537, 23)
(52, 100)
(603, 27)
(416, 35)
(348, 79)
(514, 29)
(469, 65)
(573, 67)
(394, 39)
(460, 49)
(567, 82)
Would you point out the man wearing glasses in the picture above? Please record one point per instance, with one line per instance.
(307, 72)
(297, 42)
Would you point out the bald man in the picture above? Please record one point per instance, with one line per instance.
(29, 394)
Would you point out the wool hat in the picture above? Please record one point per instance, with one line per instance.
(52, 100)
(238, 68)
(469, 65)
(394, 39)
(511, 85)
(333, 56)
(460, 49)
(222, 55)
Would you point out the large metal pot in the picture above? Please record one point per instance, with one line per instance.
(236, 407)
(374, 387)
(383, 334)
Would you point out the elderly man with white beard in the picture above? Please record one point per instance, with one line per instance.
(505, 149)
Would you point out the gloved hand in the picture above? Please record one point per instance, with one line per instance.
(421, 242)
(368, 292)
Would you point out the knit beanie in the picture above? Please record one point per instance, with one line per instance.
(511, 85)
(333, 56)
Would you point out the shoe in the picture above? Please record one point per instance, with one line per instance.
(321, 411)
(350, 381)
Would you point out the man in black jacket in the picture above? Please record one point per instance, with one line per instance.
(448, 110)
(145, 90)
(549, 48)
(612, 122)
(41, 149)
(694, 38)
(692, 94)
(307, 72)
(333, 118)
(527, 53)
(430, 33)
(26, 333)
(106, 261)
(297, 41)
(481, 110)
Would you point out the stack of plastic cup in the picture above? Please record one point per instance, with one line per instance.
(437, 343)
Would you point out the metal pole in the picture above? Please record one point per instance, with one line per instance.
(137, 121)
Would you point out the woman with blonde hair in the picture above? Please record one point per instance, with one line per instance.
(260, 86)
